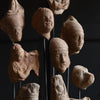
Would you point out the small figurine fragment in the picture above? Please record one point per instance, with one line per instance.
(21, 63)
(43, 22)
(59, 54)
(58, 88)
(72, 32)
(13, 21)
(28, 92)
(58, 6)
(81, 78)
(85, 98)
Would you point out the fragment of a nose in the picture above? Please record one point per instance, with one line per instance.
(62, 58)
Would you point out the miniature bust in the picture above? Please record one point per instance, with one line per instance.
(43, 22)
(21, 63)
(59, 54)
(85, 98)
(58, 88)
(13, 21)
(58, 6)
(72, 32)
(81, 78)
(29, 91)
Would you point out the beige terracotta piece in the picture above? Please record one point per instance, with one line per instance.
(21, 63)
(73, 33)
(59, 54)
(13, 21)
(29, 91)
(43, 22)
(58, 6)
(58, 88)
(85, 98)
(81, 78)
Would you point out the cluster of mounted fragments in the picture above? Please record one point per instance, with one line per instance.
(70, 42)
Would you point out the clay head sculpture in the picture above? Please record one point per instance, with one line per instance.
(58, 6)
(85, 98)
(21, 63)
(72, 32)
(43, 22)
(81, 78)
(58, 88)
(13, 21)
(29, 91)
(59, 54)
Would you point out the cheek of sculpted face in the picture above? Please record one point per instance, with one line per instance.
(21, 63)
(43, 22)
(73, 33)
(81, 78)
(28, 92)
(59, 54)
(58, 6)
(58, 88)
(13, 21)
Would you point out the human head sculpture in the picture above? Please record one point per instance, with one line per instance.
(21, 63)
(81, 78)
(43, 22)
(58, 88)
(85, 98)
(73, 33)
(29, 91)
(59, 54)
(13, 21)
(58, 6)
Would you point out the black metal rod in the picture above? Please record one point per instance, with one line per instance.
(45, 71)
(79, 93)
(14, 91)
(20, 84)
(68, 79)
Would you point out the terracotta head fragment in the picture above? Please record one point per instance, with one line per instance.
(43, 22)
(13, 21)
(58, 6)
(28, 92)
(85, 98)
(58, 88)
(21, 63)
(81, 78)
(72, 32)
(59, 54)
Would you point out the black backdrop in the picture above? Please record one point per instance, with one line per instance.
(87, 12)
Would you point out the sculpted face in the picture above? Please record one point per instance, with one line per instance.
(13, 21)
(43, 22)
(59, 54)
(72, 32)
(58, 88)
(21, 63)
(81, 78)
(28, 92)
(58, 6)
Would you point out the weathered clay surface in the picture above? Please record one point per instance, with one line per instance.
(58, 88)
(85, 98)
(28, 92)
(59, 54)
(73, 33)
(13, 21)
(21, 63)
(81, 78)
(58, 6)
(43, 22)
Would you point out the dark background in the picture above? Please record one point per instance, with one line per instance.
(87, 12)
